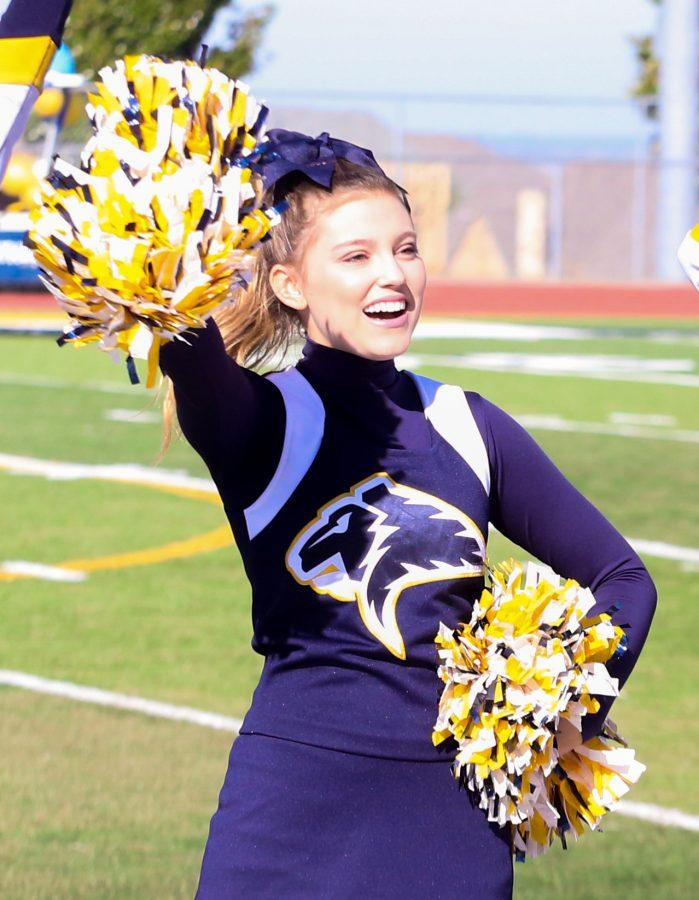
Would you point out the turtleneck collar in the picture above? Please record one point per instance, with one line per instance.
(343, 367)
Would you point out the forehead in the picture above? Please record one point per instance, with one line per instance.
(358, 215)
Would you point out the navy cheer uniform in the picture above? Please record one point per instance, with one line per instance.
(360, 498)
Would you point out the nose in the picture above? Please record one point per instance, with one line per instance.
(391, 272)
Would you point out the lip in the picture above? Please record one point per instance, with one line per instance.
(398, 322)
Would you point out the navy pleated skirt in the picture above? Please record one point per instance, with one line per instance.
(299, 821)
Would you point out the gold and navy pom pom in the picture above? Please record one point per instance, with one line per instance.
(154, 230)
(529, 657)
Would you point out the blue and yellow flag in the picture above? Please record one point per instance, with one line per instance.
(30, 32)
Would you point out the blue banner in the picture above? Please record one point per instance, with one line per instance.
(17, 266)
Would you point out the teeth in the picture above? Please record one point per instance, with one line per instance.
(387, 306)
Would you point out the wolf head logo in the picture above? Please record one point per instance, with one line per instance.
(379, 538)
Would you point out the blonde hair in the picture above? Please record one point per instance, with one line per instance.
(259, 328)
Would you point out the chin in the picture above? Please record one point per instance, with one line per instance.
(386, 346)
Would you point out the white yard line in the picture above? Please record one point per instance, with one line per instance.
(647, 812)
(118, 701)
(670, 372)
(460, 329)
(41, 571)
(127, 472)
(660, 550)
(625, 418)
(137, 416)
(658, 815)
(501, 331)
(17, 325)
(558, 423)
(582, 363)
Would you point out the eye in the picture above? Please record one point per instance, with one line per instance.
(340, 527)
(410, 249)
(354, 257)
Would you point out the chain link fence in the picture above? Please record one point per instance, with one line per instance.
(502, 188)
(510, 188)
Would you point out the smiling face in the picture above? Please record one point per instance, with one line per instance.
(359, 282)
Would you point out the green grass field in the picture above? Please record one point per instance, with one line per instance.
(105, 803)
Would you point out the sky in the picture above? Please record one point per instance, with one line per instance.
(461, 48)
(455, 47)
(507, 51)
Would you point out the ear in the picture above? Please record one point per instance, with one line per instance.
(283, 281)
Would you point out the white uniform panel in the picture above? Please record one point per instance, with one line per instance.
(305, 422)
(447, 408)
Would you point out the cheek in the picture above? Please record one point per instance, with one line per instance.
(334, 294)
(416, 277)
(345, 283)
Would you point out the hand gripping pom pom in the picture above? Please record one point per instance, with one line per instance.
(530, 656)
(155, 230)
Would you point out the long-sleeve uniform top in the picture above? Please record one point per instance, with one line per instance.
(361, 528)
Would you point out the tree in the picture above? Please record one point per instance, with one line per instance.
(646, 86)
(100, 31)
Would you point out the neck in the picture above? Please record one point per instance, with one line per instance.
(344, 367)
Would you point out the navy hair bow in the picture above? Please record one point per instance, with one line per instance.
(285, 152)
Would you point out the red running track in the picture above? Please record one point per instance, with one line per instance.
(561, 299)
(499, 299)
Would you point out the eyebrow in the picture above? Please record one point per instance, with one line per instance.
(366, 242)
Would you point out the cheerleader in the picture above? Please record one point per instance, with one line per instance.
(360, 496)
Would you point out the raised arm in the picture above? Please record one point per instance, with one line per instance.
(233, 417)
(534, 505)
